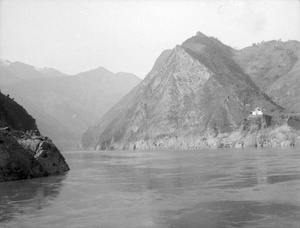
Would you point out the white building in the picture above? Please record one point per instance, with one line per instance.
(257, 112)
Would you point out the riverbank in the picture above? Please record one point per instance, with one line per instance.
(255, 132)
(28, 155)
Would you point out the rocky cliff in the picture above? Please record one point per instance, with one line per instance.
(254, 132)
(200, 90)
(25, 155)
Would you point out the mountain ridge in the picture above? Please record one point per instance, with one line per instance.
(197, 88)
(65, 106)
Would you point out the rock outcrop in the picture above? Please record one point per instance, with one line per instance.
(25, 155)
(255, 132)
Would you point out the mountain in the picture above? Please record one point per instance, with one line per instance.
(65, 106)
(200, 89)
(24, 153)
(11, 72)
(274, 66)
(14, 115)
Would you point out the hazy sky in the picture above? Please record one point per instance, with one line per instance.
(78, 35)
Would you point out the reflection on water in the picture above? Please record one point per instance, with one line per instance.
(27, 196)
(207, 188)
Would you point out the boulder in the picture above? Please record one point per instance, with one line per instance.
(24, 156)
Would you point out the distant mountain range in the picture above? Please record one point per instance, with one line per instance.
(199, 90)
(64, 106)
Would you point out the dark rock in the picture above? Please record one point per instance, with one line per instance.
(15, 161)
(25, 155)
(255, 123)
(294, 122)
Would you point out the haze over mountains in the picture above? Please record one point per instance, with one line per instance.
(201, 88)
(64, 106)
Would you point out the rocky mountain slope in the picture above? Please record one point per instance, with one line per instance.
(64, 106)
(25, 154)
(200, 90)
(274, 66)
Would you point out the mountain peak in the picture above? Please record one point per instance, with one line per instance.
(201, 35)
(101, 69)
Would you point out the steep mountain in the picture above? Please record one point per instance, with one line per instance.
(25, 154)
(64, 107)
(275, 67)
(197, 89)
(14, 115)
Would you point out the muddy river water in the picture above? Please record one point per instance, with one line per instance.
(204, 188)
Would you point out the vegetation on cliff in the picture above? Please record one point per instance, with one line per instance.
(25, 155)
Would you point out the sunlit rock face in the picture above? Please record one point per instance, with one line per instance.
(193, 90)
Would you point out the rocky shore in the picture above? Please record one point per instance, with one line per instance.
(24, 152)
(256, 132)
(28, 155)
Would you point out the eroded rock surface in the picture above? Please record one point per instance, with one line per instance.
(25, 155)
(255, 132)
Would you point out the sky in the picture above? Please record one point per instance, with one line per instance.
(73, 36)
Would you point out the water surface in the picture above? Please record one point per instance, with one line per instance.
(205, 188)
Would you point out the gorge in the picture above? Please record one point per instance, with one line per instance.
(64, 106)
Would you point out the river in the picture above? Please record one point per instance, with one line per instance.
(205, 188)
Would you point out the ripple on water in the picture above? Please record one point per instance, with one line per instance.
(162, 189)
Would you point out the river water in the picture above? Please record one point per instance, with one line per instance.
(205, 188)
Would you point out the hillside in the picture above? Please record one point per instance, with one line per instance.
(274, 66)
(65, 106)
(14, 115)
(200, 89)
(24, 153)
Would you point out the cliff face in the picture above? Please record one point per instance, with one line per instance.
(197, 90)
(25, 155)
(255, 132)
(15, 115)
